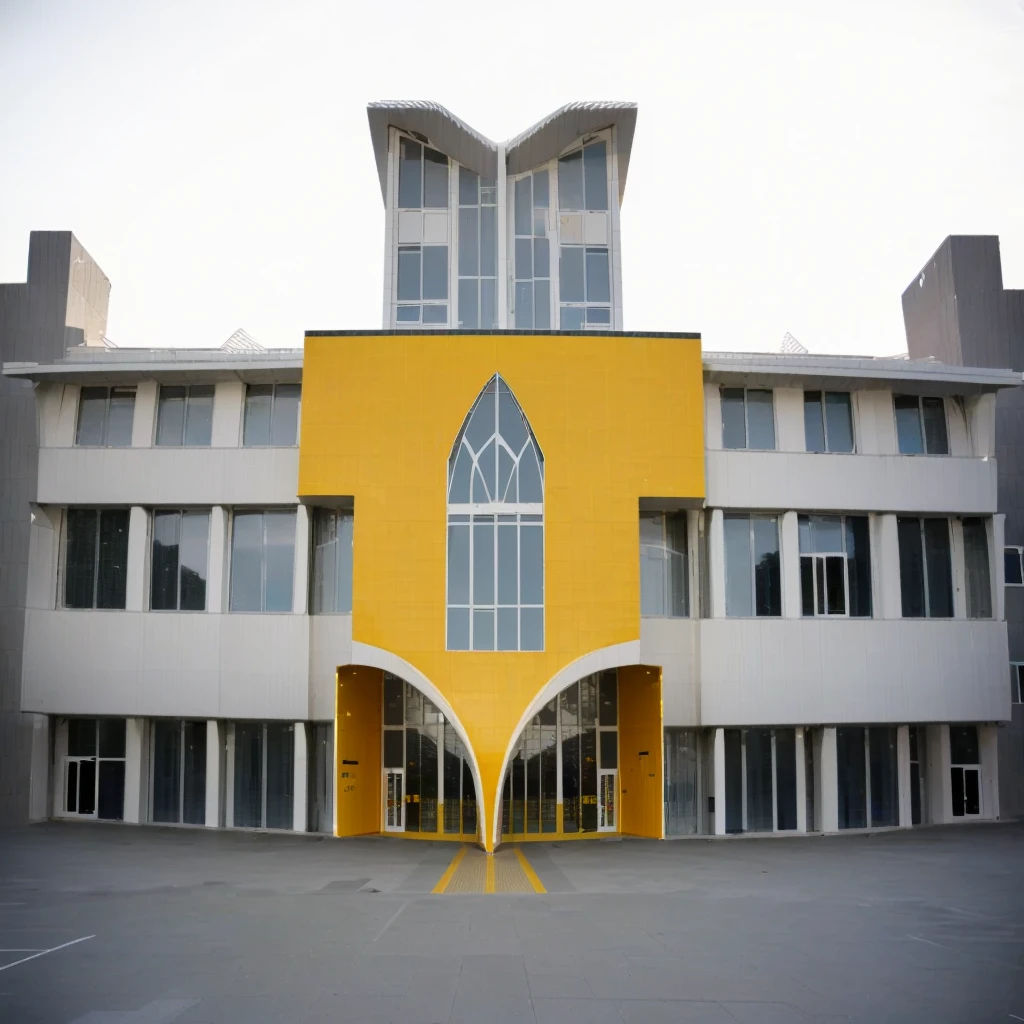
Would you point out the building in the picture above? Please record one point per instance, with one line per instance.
(502, 570)
(957, 311)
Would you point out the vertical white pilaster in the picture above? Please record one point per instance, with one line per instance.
(615, 240)
(39, 779)
(214, 746)
(228, 400)
(299, 802)
(693, 554)
(996, 534)
(789, 420)
(712, 417)
(135, 583)
(144, 418)
(988, 744)
(136, 777)
(502, 284)
(885, 567)
(229, 772)
(300, 591)
(829, 781)
(60, 751)
(940, 792)
(216, 580)
(903, 774)
(390, 249)
(801, 782)
(716, 564)
(719, 782)
(792, 602)
(956, 531)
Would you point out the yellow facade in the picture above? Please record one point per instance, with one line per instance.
(618, 418)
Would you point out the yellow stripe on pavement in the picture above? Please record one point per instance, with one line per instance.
(489, 884)
(531, 875)
(443, 881)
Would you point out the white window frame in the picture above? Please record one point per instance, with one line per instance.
(824, 420)
(920, 420)
(106, 414)
(747, 447)
(184, 417)
(1020, 559)
(1017, 682)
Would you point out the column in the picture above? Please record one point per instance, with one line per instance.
(300, 593)
(716, 564)
(144, 417)
(956, 530)
(216, 592)
(789, 557)
(693, 560)
(39, 777)
(903, 774)
(615, 237)
(135, 789)
(135, 583)
(801, 782)
(229, 773)
(226, 429)
(996, 540)
(502, 283)
(988, 743)
(299, 801)
(719, 781)
(214, 745)
(829, 775)
(885, 567)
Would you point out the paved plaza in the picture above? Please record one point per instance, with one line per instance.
(137, 925)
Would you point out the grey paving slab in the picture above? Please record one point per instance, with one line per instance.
(576, 1011)
(676, 1011)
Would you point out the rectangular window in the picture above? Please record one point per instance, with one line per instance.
(96, 558)
(105, 417)
(422, 176)
(1016, 682)
(271, 415)
(94, 768)
(422, 288)
(1013, 560)
(828, 421)
(332, 561)
(180, 553)
(753, 584)
(178, 772)
(185, 415)
(926, 574)
(663, 571)
(585, 288)
(921, 425)
(835, 565)
(748, 419)
(262, 561)
(979, 580)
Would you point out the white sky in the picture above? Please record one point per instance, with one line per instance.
(795, 163)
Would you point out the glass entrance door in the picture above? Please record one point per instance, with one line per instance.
(80, 786)
(394, 800)
(607, 801)
(966, 792)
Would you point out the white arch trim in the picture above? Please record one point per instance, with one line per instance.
(377, 657)
(627, 653)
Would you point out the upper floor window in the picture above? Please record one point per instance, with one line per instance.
(753, 584)
(96, 558)
(828, 421)
(422, 177)
(921, 425)
(422, 284)
(1016, 682)
(583, 178)
(495, 529)
(1013, 559)
(478, 251)
(262, 561)
(332, 561)
(663, 573)
(976, 568)
(926, 573)
(748, 418)
(835, 565)
(180, 558)
(584, 288)
(271, 415)
(105, 417)
(185, 415)
(532, 252)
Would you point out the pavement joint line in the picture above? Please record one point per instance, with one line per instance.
(43, 952)
(391, 921)
(442, 882)
(531, 875)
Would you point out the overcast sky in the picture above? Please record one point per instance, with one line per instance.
(795, 162)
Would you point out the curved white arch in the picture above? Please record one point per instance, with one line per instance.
(615, 655)
(378, 657)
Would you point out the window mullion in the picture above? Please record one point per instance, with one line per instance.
(924, 571)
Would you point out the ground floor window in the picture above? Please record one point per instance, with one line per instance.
(683, 782)
(867, 777)
(965, 770)
(320, 777)
(178, 772)
(917, 781)
(263, 782)
(760, 780)
(94, 768)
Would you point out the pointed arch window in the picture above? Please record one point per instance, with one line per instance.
(496, 529)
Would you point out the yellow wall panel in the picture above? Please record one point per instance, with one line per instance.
(641, 775)
(357, 740)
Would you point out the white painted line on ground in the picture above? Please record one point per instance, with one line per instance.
(929, 941)
(34, 949)
(391, 920)
(1015, 1017)
(12, 904)
(43, 952)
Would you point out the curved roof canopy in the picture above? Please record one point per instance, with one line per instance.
(547, 139)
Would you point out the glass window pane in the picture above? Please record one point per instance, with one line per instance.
(541, 192)
(285, 425)
(1012, 567)
(571, 318)
(394, 700)
(166, 771)
(469, 242)
(164, 564)
(608, 701)
(570, 274)
(92, 416)
(541, 257)
(598, 315)
(804, 533)
(524, 303)
(458, 564)
(81, 737)
(508, 629)
(609, 748)
(531, 564)
(734, 425)
(280, 774)
(258, 401)
(247, 562)
(760, 420)
(508, 564)
(979, 585)
(598, 289)
(939, 568)
(111, 737)
(488, 242)
(814, 424)
(435, 272)
(112, 572)
(839, 421)
(194, 553)
(483, 564)
(908, 532)
(248, 775)
(851, 779)
(469, 182)
(767, 583)
(570, 181)
(541, 305)
(194, 790)
(933, 412)
(510, 422)
(394, 748)
(785, 779)
(280, 560)
(826, 533)
(835, 586)
(885, 808)
(170, 417)
(531, 629)
(410, 175)
(343, 595)
(110, 803)
(199, 415)
(524, 259)
(409, 274)
(458, 629)
(524, 206)
(435, 179)
(80, 558)
(120, 417)
(908, 424)
(483, 629)
(435, 314)
(408, 314)
(488, 306)
(807, 585)
(595, 167)
(858, 565)
(760, 813)
(738, 567)
(963, 745)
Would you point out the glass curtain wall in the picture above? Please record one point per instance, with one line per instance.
(178, 772)
(663, 568)
(682, 788)
(532, 308)
(478, 251)
(264, 774)
(331, 580)
(867, 779)
(760, 780)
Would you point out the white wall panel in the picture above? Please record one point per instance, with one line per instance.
(330, 645)
(761, 672)
(808, 480)
(672, 644)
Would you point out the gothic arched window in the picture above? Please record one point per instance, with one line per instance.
(496, 529)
